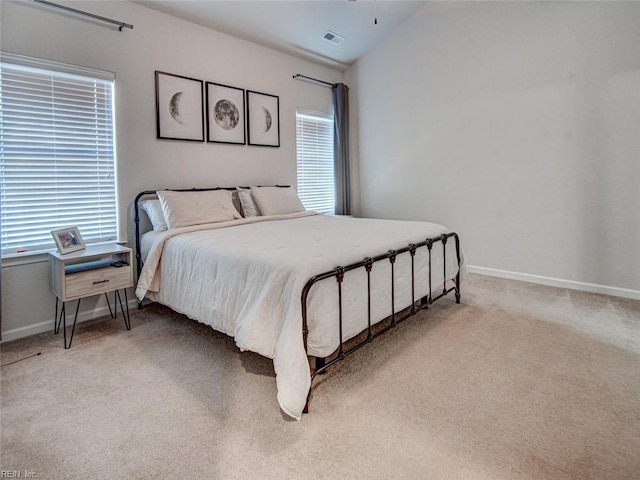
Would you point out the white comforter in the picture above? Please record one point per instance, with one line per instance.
(245, 277)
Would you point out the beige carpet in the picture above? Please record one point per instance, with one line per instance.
(519, 382)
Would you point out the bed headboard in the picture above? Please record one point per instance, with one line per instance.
(152, 193)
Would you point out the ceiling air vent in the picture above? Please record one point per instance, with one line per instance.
(333, 37)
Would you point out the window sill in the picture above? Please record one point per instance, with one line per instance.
(25, 258)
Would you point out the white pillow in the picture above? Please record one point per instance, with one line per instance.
(155, 214)
(249, 207)
(182, 209)
(277, 200)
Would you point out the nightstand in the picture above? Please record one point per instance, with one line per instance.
(95, 270)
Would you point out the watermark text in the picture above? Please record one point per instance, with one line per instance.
(17, 474)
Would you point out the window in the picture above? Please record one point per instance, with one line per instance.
(314, 141)
(57, 165)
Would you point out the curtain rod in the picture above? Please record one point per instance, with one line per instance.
(297, 75)
(120, 25)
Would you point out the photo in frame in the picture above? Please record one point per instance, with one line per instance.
(179, 108)
(263, 119)
(68, 239)
(225, 114)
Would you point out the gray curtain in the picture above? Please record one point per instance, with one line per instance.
(341, 148)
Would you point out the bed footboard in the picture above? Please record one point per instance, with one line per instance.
(397, 316)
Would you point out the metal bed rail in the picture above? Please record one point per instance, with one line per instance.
(396, 317)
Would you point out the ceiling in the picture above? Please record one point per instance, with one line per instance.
(297, 27)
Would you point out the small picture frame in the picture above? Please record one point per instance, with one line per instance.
(179, 108)
(263, 119)
(68, 239)
(225, 114)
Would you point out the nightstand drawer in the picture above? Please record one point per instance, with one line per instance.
(92, 282)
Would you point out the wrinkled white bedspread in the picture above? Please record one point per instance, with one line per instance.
(245, 277)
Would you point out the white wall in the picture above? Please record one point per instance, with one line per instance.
(157, 42)
(517, 124)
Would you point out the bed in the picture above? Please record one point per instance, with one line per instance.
(301, 288)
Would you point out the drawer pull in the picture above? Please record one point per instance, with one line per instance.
(100, 281)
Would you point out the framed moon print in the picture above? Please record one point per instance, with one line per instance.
(179, 108)
(225, 114)
(263, 119)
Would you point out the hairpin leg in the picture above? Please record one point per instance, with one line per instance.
(125, 308)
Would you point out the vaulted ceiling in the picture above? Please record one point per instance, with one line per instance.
(298, 27)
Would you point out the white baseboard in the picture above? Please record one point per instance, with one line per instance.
(557, 282)
(47, 326)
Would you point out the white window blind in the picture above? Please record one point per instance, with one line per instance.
(314, 139)
(57, 162)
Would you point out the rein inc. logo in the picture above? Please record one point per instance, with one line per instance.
(17, 474)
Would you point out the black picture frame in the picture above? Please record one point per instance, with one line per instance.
(263, 119)
(225, 114)
(179, 107)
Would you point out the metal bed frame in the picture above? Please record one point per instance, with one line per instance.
(347, 347)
